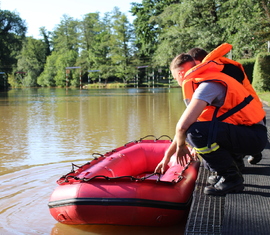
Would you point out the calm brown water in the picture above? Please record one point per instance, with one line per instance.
(44, 130)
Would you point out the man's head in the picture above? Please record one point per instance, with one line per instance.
(180, 65)
(198, 54)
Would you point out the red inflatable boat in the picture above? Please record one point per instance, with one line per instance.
(121, 188)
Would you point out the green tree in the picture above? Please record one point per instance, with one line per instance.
(66, 35)
(103, 57)
(121, 46)
(262, 31)
(90, 27)
(186, 25)
(65, 42)
(92, 38)
(54, 73)
(67, 59)
(12, 33)
(46, 39)
(47, 77)
(240, 19)
(162, 29)
(31, 60)
(147, 28)
(207, 24)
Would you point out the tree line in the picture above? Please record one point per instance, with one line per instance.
(112, 48)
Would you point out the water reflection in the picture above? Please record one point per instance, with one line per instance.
(44, 130)
(61, 229)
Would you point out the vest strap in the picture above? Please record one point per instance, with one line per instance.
(235, 109)
(213, 129)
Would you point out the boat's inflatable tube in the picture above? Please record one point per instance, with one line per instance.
(120, 188)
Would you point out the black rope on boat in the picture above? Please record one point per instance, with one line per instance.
(73, 167)
(146, 177)
(134, 141)
(147, 136)
(132, 178)
(65, 178)
(99, 154)
(164, 136)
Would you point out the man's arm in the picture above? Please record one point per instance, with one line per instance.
(190, 115)
(178, 146)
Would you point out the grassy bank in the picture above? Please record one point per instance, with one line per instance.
(125, 85)
(265, 97)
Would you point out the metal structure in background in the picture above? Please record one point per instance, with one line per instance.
(136, 82)
(68, 71)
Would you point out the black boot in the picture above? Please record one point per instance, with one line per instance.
(213, 179)
(230, 181)
(254, 159)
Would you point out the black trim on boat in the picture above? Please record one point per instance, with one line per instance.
(120, 202)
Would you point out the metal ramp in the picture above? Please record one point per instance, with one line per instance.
(245, 213)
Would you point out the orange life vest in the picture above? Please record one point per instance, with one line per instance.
(218, 59)
(239, 108)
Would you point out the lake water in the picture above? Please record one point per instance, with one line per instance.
(44, 130)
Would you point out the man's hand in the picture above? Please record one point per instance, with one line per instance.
(162, 165)
(194, 155)
(183, 155)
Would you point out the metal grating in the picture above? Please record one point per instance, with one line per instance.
(206, 213)
(246, 213)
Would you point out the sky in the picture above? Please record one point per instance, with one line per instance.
(48, 13)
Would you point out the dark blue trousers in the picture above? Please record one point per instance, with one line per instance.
(232, 140)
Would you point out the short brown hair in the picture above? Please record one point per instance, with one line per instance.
(198, 53)
(181, 59)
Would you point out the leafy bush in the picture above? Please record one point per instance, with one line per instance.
(248, 65)
(261, 72)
